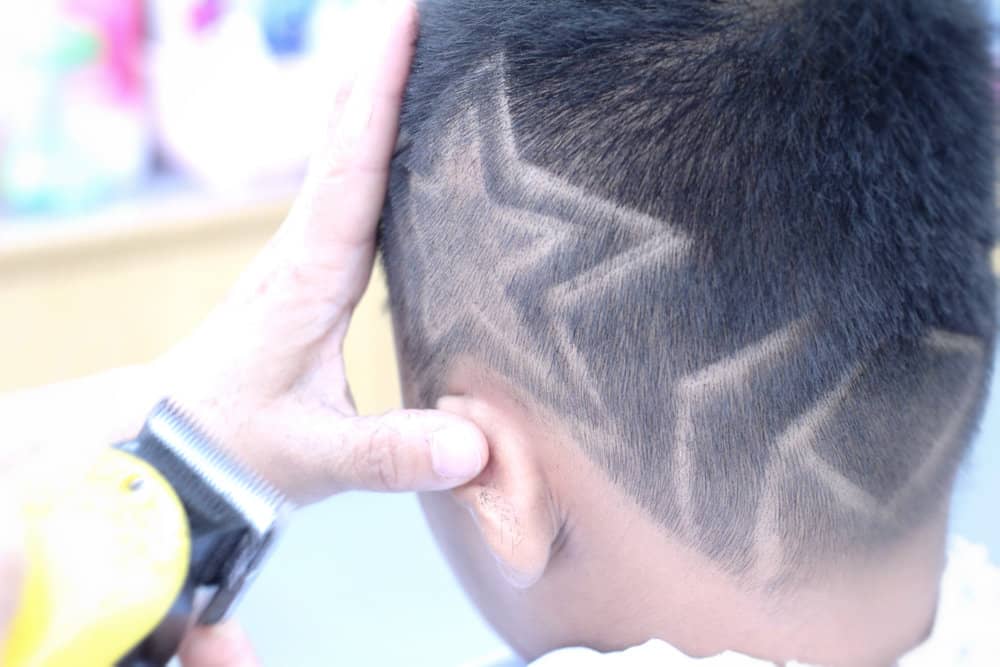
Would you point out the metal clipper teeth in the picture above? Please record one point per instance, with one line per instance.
(248, 493)
(234, 514)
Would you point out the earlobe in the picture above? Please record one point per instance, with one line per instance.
(515, 528)
(510, 500)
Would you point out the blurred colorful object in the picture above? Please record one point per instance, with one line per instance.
(231, 93)
(286, 24)
(75, 129)
(241, 89)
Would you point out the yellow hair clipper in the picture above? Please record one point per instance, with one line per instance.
(175, 531)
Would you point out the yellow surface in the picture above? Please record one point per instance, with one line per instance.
(85, 604)
(122, 288)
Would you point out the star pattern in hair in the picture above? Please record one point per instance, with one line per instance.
(480, 174)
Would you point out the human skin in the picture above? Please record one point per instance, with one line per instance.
(556, 555)
(265, 374)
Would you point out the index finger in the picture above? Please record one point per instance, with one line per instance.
(345, 190)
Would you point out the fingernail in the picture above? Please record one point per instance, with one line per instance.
(455, 453)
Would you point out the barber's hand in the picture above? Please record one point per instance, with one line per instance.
(266, 372)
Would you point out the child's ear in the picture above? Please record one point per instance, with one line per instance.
(511, 500)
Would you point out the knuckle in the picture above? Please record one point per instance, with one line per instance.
(381, 459)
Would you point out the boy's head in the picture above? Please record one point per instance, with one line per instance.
(713, 276)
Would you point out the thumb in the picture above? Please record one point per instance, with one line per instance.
(403, 450)
(224, 645)
(413, 450)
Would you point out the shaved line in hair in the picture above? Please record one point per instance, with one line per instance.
(738, 254)
(535, 203)
(698, 388)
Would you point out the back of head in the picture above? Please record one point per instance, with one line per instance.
(739, 248)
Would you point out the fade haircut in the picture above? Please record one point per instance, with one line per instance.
(740, 248)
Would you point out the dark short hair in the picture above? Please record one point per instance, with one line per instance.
(740, 248)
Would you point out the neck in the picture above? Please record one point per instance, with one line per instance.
(859, 614)
(863, 613)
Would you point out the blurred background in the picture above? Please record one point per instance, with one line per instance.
(148, 148)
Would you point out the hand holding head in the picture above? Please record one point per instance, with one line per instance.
(266, 372)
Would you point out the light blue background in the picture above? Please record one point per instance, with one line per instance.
(358, 580)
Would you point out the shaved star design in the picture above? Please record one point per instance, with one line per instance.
(480, 178)
(795, 447)
(796, 443)
(704, 385)
(945, 342)
(544, 251)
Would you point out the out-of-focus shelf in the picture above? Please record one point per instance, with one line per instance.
(122, 285)
(163, 213)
